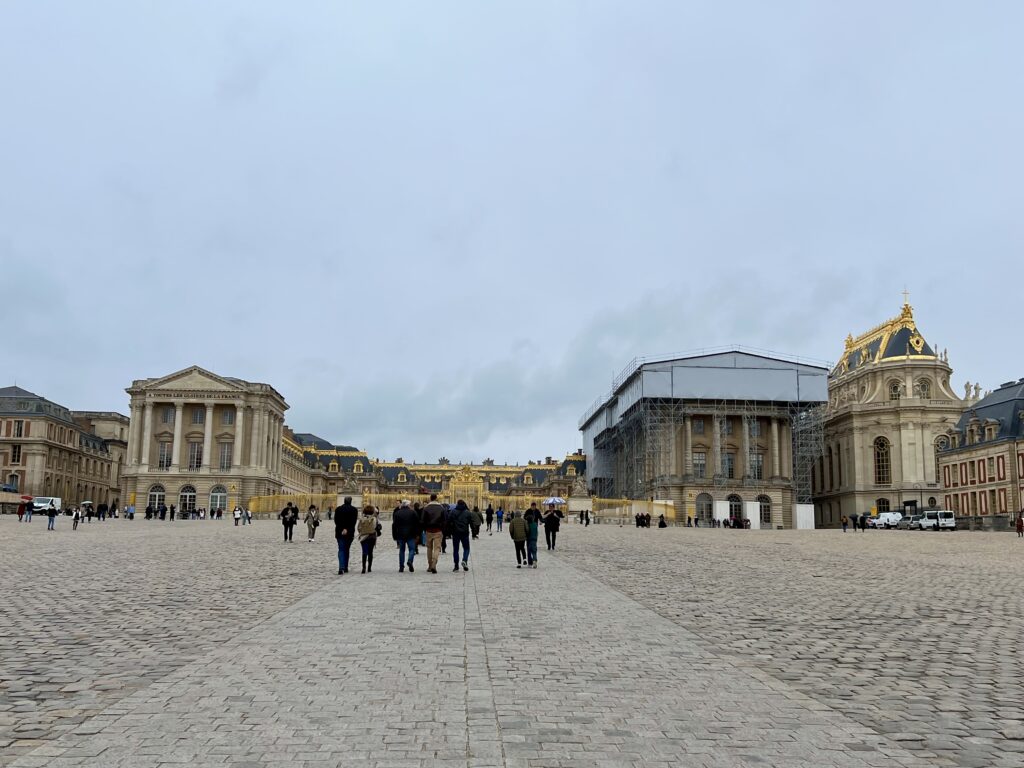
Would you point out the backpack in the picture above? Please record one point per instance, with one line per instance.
(367, 526)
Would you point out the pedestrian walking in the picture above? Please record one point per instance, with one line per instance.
(532, 519)
(51, 518)
(29, 508)
(21, 510)
(489, 516)
(863, 523)
(75, 518)
(586, 518)
(475, 521)
(845, 522)
(345, 518)
(662, 523)
(499, 516)
(432, 522)
(246, 516)
(312, 521)
(552, 523)
(237, 514)
(171, 513)
(460, 521)
(518, 530)
(405, 530)
(289, 516)
(1020, 524)
(368, 529)
(88, 513)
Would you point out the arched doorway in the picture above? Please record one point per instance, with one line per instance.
(705, 508)
(735, 507)
(187, 499)
(218, 497)
(766, 510)
(156, 496)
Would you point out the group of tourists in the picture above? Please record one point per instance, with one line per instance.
(860, 521)
(432, 526)
(77, 513)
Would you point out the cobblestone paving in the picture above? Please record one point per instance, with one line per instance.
(916, 635)
(147, 644)
(92, 615)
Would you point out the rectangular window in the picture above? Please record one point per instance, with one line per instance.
(198, 415)
(15, 454)
(755, 428)
(972, 472)
(167, 414)
(991, 466)
(727, 425)
(226, 455)
(700, 464)
(19, 428)
(730, 465)
(698, 425)
(195, 454)
(757, 466)
(227, 417)
(164, 455)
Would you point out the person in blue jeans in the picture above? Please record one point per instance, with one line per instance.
(532, 518)
(51, 514)
(459, 520)
(345, 518)
(500, 514)
(405, 530)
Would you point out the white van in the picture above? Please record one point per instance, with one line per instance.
(42, 503)
(888, 519)
(938, 520)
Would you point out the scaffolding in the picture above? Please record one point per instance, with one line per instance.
(641, 438)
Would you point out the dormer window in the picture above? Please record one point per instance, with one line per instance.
(333, 466)
(571, 471)
(527, 479)
(357, 468)
(402, 478)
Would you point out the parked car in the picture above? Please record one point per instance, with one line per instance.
(938, 520)
(912, 523)
(8, 488)
(42, 503)
(888, 519)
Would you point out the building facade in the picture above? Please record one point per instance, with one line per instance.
(199, 440)
(49, 450)
(890, 407)
(981, 460)
(726, 435)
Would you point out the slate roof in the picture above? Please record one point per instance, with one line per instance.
(1005, 405)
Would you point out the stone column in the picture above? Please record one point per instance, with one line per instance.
(236, 457)
(133, 436)
(688, 466)
(147, 435)
(179, 409)
(208, 437)
(716, 444)
(254, 441)
(746, 447)
(776, 457)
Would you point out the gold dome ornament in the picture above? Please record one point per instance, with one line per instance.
(917, 342)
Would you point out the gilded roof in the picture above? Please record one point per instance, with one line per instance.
(894, 339)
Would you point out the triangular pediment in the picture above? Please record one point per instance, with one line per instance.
(196, 378)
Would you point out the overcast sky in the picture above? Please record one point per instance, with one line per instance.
(439, 228)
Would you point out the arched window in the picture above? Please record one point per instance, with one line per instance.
(12, 480)
(156, 496)
(766, 509)
(883, 465)
(187, 498)
(882, 505)
(357, 468)
(705, 507)
(735, 506)
(895, 390)
(218, 497)
(941, 444)
(924, 389)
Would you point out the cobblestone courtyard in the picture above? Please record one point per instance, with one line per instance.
(145, 644)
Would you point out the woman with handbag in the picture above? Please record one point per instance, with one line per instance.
(312, 520)
(367, 529)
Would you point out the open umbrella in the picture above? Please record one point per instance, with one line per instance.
(554, 500)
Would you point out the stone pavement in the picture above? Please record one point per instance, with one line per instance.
(199, 643)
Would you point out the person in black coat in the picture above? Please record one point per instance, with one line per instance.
(345, 518)
(405, 530)
(552, 522)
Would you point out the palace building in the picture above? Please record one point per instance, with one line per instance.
(198, 439)
(890, 408)
(49, 450)
(981, 460)
(725, 435)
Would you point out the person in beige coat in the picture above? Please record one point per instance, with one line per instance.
(312, 520)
